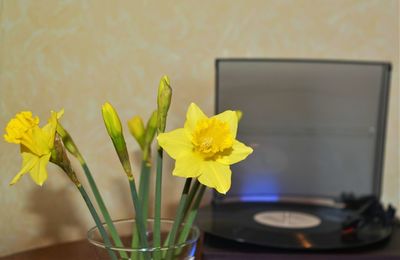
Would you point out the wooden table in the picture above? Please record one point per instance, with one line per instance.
(79, 250)
(82, 250)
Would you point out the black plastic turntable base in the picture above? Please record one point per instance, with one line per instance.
(215, 248)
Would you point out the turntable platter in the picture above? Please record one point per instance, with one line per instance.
(287, 226)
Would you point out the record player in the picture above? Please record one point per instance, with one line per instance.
(313, 183)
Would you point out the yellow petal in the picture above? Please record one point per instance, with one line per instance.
(230, 117)
(40, 138)
(238, 153)
(188, 166)
(29, 142)
(39, 172)
(239, 115)
(175, 143)
(47, 133)
(59, 113)
(193, 115)
(216, 175)
(29, 160)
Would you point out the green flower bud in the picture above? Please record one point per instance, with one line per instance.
(111, 120)
(163, 103)
(136, 128)
(151, 128)
(114, 129)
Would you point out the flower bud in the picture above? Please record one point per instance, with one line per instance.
(114, 129)
(111, 120)
(136, 128)
(163, 103)
(151, 128)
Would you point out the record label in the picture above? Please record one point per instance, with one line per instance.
(287, 219)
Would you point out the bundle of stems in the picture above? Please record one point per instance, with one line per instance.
(186, 210)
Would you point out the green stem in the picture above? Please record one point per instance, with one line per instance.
(97, 220)
(73, 149)
(144, 186)
(157, 209)
(135, 242)
(191, 216)
(192, 193)
(102, 207)
(179, 216)
(139, 216)
(144, 200)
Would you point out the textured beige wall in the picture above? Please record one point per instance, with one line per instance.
(78, 54)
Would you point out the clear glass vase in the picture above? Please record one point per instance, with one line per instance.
(125, 229)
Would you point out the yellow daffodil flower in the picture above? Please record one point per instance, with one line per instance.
(206, 147)
(36, 144)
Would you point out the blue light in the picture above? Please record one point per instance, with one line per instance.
(257, 186)
(193, 251)
(263, 198)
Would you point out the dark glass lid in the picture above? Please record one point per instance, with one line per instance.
(317, 127)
